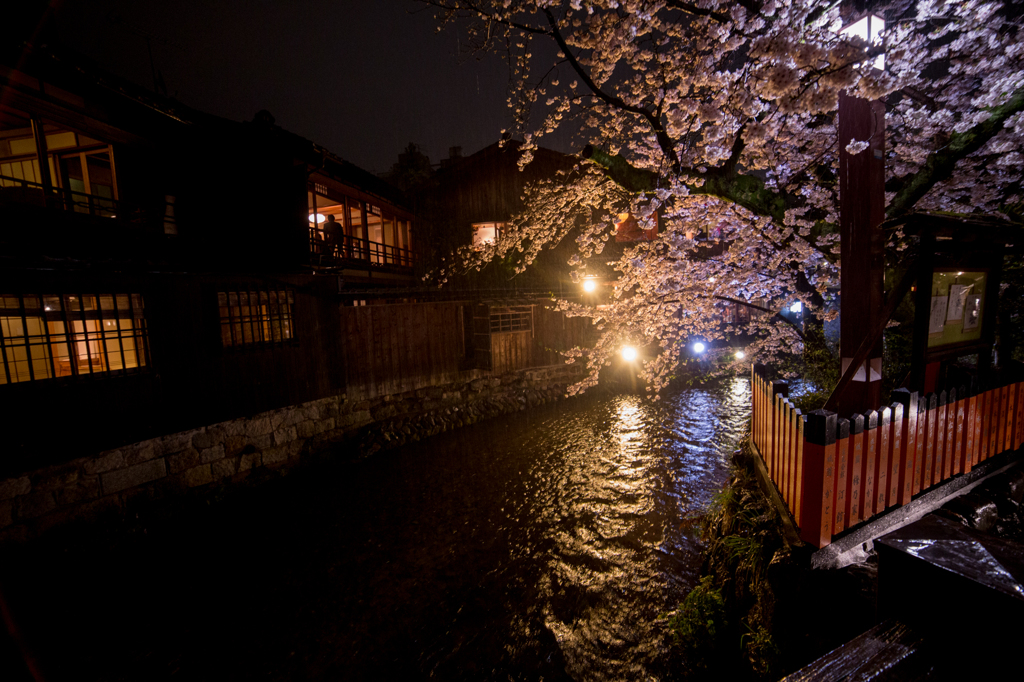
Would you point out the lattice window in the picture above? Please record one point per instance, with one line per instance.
(513, 319)
(68, 335)
(255, 317)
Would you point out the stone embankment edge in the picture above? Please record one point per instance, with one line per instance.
(205, 460)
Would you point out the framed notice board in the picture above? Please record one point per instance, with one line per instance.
(956, 313)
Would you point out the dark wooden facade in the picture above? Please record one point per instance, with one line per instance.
(232, 312)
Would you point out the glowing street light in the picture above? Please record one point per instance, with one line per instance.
(699, 347)
(740, 355)
(589, 285)
(629, 353)
(796, 307)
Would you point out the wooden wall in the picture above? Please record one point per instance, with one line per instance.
(401, 347)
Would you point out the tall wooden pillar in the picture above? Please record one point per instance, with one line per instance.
(861, 279)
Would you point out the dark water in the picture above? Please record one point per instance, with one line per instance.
(544, 545)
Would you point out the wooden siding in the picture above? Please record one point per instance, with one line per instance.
(402, 347)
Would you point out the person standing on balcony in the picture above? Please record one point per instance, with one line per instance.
(331, 236)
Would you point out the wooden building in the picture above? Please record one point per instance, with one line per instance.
(162, 269)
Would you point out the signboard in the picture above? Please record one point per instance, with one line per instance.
(957, 299)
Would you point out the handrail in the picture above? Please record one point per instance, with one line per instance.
(65, 198)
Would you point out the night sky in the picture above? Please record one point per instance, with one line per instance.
(362, 78)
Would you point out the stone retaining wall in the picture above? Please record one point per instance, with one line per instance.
(204, 460)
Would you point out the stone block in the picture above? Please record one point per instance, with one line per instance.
(354, 420)
(234, 445)
(54, 478)
(306, 429)
(224, 468)
(212, 454)
(106, 461)
(263, 442)
(13, 487)
(235, 427)
(85, 488)
(185, 459)
(286, 435)
(138, 453)
(121, 479)
(311, 411)
(249, 461)
(175, 442)
(275, 456)
(35, 504)
(208, 438)
(260, 426)
(196, 476)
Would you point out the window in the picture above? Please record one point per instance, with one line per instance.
(44, 337)
(255, 317)
(486, 233)
(513, 319)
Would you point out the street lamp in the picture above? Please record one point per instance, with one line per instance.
(589, 285)
(629, 353)
(699, 347)
(740, 355)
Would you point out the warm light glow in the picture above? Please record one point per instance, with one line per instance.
(796, 307)
(589, 285)
(711, 280)
(320, 217)
(699, 347)
(740, 355)
(629, 353)
(869, 28)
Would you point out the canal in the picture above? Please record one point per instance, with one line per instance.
(541, 545)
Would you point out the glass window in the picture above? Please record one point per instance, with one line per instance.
(255, 317)
(43, 337)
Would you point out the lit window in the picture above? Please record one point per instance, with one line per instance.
(255, 317)
(514, 319)
(486, 233)
(44, 337)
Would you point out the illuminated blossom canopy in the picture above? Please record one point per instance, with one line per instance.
(721, 117)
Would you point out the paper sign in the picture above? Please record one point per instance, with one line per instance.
(957, 298)
(972, 312)
(937, 319)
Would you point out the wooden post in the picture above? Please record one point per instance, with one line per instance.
(908, 445)
(882, 465)
(861, 211)
(931, 414)
(895, 455)
(853, 504)
(1018, 432)
(940, 437)
(842, 482)
(818, 478)
(970, 431)
(950, 445)
(870, 462)
(921, 445)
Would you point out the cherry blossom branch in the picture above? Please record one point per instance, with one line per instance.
(939, 165)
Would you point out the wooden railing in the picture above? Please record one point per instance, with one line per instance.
(834, 473)
(25, 191)
(353, 248)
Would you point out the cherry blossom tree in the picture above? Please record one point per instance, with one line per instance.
(720, 118)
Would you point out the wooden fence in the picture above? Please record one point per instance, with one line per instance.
(835, 473)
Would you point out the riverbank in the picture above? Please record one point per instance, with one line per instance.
(761, 610)
(162, 475)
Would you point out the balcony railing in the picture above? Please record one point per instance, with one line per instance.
(347, 249)
(24, 191)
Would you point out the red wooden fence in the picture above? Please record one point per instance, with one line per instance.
(834, 473)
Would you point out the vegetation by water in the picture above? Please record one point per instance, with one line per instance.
(725, 626)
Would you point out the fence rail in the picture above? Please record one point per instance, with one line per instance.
(834, 473)
(59, 197)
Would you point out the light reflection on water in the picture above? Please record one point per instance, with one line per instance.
(594, 517)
